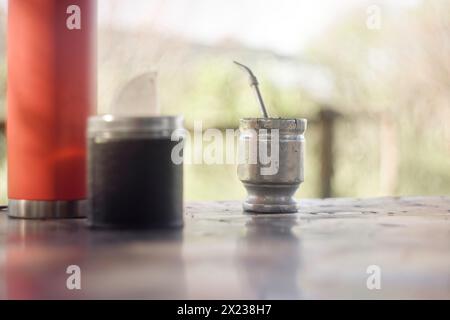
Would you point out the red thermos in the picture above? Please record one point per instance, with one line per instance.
(51, 94)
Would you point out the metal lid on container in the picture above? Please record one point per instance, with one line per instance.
(152, 126)
(297, 125)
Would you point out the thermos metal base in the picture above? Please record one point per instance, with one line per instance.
(26, 209)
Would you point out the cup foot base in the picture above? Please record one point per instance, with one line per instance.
(271, 208)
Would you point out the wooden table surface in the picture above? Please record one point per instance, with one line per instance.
(323, 252)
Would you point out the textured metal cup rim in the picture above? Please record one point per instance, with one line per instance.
(298, 125)
(121, 124)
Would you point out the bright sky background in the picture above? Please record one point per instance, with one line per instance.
(280, 25)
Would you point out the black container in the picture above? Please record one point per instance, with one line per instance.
(133, 181)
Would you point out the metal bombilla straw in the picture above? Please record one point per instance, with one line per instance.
(255, 84)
